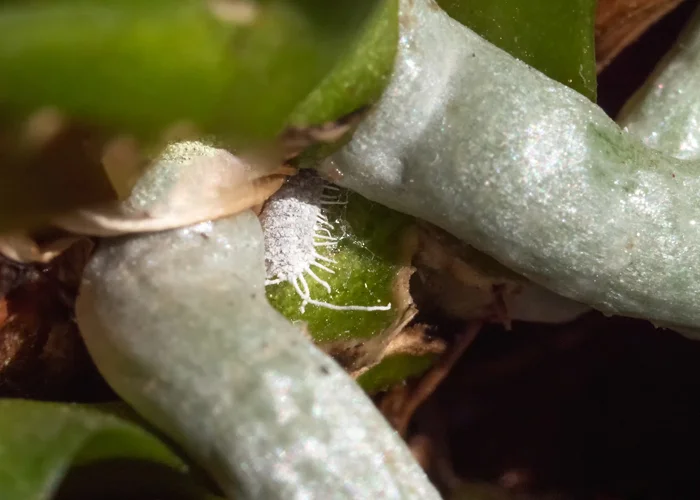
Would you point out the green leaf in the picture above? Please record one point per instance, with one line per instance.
(393, 370)
(79, 73)
(41, 442)
(231, 68)
(554, 36)
(360, 77)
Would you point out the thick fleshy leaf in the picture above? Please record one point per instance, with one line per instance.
(81, 78)
(529, 172)
(41, 442)
(267, 391)
(228, 67)
(554, 36)
(665, 112)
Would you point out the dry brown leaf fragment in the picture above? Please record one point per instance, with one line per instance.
(196, 182)
(295, 140)
(3, 311)
(399, 405)
(411, 340)
(111, 220)
(619, 23)
(23, 248)
(456, 280)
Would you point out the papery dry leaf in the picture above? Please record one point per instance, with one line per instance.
(621, 22)
(251, 181)
(111, 220)
(411, 341)
(213, 185)
(22, 248)
(399, 405)
(456, 280)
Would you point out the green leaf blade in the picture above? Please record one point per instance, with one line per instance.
(148, 71)
(553, 36)
(40, 442)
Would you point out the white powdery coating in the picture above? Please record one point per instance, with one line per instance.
(529, 172)
(289, 222)
(191, 342)
(665, 113)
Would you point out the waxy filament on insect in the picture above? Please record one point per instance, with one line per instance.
(299, 235)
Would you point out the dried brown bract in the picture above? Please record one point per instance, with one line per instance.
(621, 22)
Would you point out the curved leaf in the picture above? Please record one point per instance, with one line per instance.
(244, 411)
(360, 77)
(531, 173)
(665, 112)
(40, 442)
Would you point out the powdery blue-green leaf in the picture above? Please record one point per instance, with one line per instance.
(665, 112)
(191, 342)
(530, 172)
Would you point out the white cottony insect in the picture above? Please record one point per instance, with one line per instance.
(298, 233)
